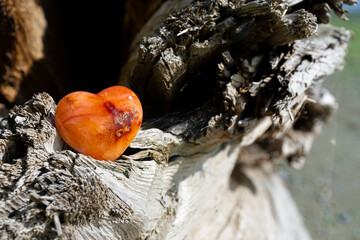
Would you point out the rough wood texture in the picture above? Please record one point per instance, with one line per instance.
(245, 91)
(135, 16)
(57, 192)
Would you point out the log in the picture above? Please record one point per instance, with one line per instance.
(229, 88)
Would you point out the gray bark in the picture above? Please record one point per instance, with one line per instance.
(200, 171)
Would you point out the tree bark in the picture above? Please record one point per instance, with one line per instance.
(228, 88)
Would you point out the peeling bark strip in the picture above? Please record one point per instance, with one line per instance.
(204, 174)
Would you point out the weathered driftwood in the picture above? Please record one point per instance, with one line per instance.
(50, 192)
(244, 91)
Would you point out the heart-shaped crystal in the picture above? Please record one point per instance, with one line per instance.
(99, 125)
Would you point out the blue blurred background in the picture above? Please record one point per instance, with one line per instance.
(353, 9)
(327, 189)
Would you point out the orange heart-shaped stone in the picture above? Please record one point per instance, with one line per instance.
(99, 125)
